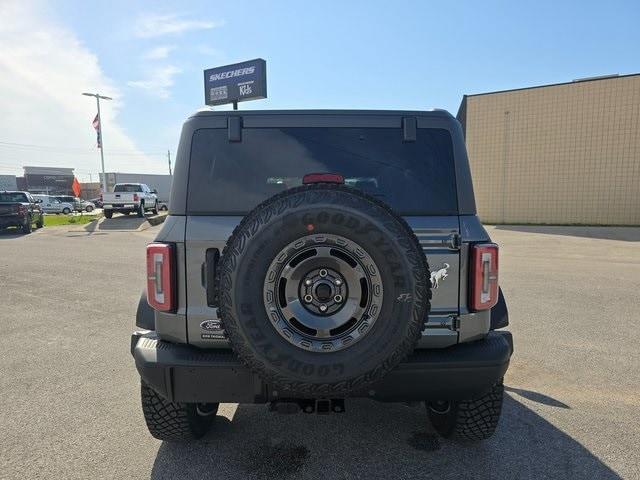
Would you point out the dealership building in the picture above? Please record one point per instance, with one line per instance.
(567, 153)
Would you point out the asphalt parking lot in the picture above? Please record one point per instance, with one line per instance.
(69, 399)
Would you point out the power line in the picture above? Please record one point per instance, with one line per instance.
(75, 150)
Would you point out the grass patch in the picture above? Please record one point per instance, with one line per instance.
(57, 220)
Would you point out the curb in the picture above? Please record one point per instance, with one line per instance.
(156, 219)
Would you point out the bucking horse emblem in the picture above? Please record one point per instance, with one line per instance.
(438, 276)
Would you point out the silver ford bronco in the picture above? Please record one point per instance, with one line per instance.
(314, 256)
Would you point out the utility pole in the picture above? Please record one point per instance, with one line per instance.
(169, 159)
(98, 97)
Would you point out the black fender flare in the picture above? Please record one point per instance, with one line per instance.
(499, 313)
(145, 315)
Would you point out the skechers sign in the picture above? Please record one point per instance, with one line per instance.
(235, 83)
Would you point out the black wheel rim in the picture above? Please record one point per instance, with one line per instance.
(323, 293)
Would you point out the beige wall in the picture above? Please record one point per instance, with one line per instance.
(563, 154)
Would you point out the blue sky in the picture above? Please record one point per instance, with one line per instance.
(374, 54)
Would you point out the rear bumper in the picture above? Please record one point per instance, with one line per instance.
(12, 221)
(121, 206)
(183, 373)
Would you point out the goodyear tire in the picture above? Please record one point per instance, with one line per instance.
(470, 420)
(172, 421)
(323, 290)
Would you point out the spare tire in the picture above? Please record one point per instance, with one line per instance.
(323, 290)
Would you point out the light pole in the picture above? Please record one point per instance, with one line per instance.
(98, 97)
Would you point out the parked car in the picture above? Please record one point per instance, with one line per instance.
(130, 197)
(51, 204)
(272, 283)
(20, 209)
(79, 204)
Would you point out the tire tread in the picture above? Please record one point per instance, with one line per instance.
(473, 420)
(171, 421)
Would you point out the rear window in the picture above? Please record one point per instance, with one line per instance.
(125, 187)
(231, 178)
(17, 197)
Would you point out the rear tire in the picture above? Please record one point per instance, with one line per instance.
(108, 213)
(89, 208)
(66, 211)
(471, 420)
(171, 421)
(28, 227)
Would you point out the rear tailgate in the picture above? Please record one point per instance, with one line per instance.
(404, 161)
(7, 209)
(440, 241)
(118, 198)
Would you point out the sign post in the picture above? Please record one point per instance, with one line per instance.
(235, 83)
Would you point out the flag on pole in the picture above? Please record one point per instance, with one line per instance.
(96, 125)
(76, 187)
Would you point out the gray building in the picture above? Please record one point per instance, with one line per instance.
(8, 182)
(49, 180)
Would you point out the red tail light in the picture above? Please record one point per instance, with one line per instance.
(20, 209)
(161, 281)
(322, 178)
(483, 292)
(135, 197)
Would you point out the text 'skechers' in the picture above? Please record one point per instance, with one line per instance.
(236, 83)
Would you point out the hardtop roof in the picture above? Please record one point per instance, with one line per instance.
(436, 112)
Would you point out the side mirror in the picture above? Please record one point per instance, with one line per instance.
(154, 191)
(38, 200)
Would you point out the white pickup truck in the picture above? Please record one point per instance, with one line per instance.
(130, 197)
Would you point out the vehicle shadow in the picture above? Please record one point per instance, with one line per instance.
(10, 233)
(537, 397)
(374, 440)
(626, 234)
(122, 222)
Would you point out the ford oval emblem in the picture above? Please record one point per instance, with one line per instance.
(211, 325)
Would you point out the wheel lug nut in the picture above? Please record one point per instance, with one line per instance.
(337, 298)
(338, 282)
(307, 281)
(323, 273)
(308, 298)
(323, 308)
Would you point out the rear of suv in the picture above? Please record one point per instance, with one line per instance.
(314, 256)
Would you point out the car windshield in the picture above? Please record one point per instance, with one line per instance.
(126, 187)
(13, 197)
